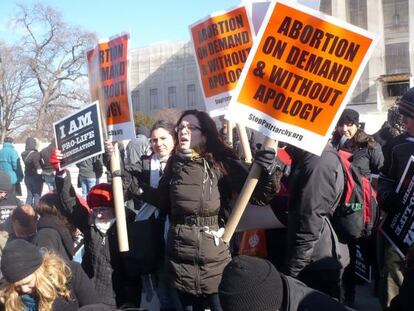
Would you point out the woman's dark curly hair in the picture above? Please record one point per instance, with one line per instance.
(360, 139)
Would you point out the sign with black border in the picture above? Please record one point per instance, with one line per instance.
(398, 226)
(79, 135)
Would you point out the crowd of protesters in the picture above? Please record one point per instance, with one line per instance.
(179, 186)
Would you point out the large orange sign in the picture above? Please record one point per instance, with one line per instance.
(221, 44)
(108, 81)
(303, 69)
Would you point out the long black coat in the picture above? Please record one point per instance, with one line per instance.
(315, 187)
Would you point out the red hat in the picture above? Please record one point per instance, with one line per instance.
(100, 196)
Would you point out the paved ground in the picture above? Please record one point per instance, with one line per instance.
(365, 300)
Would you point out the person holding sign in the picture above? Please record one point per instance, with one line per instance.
(102, 261)
(397, 153)
(200, 179)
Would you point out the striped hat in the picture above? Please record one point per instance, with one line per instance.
(406, 103)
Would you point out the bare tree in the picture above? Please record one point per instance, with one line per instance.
(56, 56)
(14, 83)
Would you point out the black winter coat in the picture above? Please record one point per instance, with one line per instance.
(315, 187)
(82, 291)
(196, 197)
(368, 160)
(55, 237)
(396, 155)
(32, 162)
(297, 296)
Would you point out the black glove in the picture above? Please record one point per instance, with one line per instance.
(267, 159)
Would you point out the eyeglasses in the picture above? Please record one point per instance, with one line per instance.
(189, 128)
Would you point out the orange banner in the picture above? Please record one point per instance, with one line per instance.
(303, 69)
(222, 44)
(108, 78)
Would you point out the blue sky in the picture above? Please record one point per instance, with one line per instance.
(146, 21)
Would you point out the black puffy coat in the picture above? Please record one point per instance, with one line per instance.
(197, 197)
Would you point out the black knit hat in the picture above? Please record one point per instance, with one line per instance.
(349, 116)
(19, 260)
(250, 284)
(5, 183)
(406, 103)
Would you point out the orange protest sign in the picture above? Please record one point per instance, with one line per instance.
(108, 82)
(221, 44)
(303, 67)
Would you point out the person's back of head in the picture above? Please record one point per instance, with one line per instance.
(251, 283)
(8, 139)
(24, 221)
(31, 143)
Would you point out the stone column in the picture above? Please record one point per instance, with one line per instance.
(339, 9)
(375, 24)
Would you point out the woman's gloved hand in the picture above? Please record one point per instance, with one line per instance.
(267, 159)
(55, 160)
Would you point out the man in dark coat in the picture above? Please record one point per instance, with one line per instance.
(396, 155)
(254, 284)
(315, 256)
(32, 171)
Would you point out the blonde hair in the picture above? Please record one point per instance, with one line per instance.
(52, 279)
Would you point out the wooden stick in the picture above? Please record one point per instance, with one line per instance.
(245, 195)
(121, 227)
(244, 140)
(230, 126)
